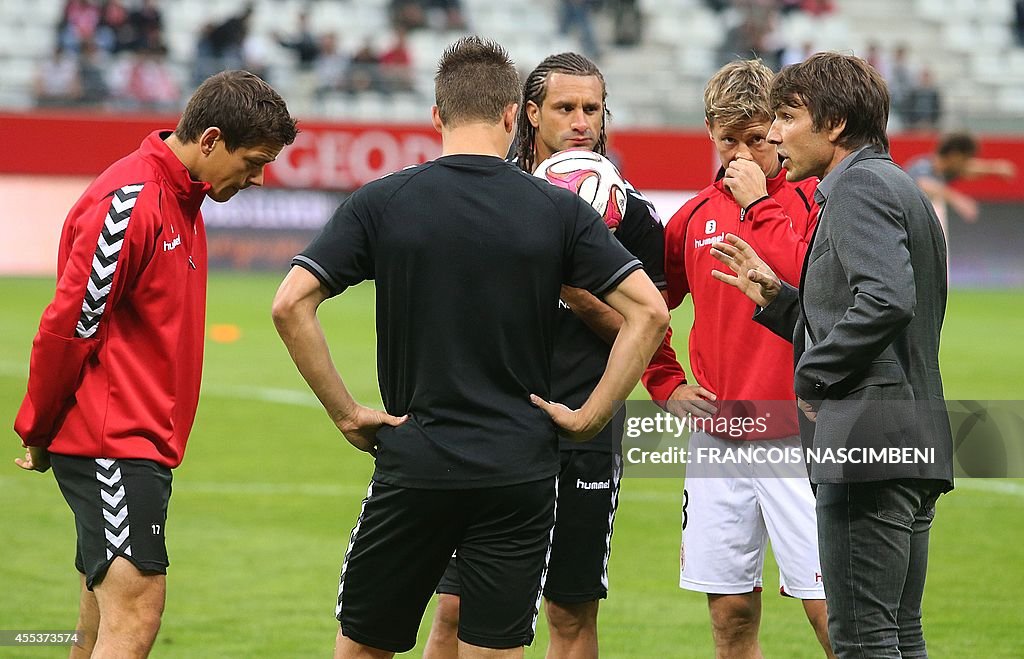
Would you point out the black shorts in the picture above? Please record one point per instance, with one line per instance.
(588, 495)
(120, 509)
(403, 540)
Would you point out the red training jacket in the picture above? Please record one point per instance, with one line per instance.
(731, 355)
(116, 365)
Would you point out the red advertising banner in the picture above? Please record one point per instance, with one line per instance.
(342, 156)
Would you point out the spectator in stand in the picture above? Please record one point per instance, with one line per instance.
(150, 83)
(116, 27)
(876, 57)
(79, 22)
(407, 14)
(818, 7)
(330, 67)
(205, 63)
(220, 45)
(574, 15)
(450, 12)
(795, 54)
(628, 21)
(92, 72)
(1018, 21)
(258, 51)
(923, 108)
(226, 38)
(56, 83)
(396, 65)
(812, 7)
(754, 35)
(900, 81)
(304, 43)
(363, 73)
(417, 14)
(148, 24)
(772, 42)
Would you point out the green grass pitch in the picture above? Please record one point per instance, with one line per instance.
(266, 497)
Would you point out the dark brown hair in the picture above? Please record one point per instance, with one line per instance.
(536, 88)
(247, 111)
(962, 143)
(475, 81)
(836, 87)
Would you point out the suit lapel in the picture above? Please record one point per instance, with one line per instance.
(802, 323)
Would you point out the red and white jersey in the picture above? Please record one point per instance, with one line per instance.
(740, 361)
(116, 366)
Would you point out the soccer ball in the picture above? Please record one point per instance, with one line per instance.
(590, 175)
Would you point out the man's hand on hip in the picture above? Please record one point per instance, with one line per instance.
(37, 458)
(361, 425)
(692, 399)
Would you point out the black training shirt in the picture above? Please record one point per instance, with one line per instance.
(468, 253)
(580, 354)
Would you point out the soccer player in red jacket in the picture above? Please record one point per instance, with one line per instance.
(740, 373)
(115, 367)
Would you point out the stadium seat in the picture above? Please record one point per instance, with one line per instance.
(678, 51)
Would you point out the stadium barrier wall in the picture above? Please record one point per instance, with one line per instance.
(52, 156)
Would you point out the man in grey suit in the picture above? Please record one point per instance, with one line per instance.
(865, 327)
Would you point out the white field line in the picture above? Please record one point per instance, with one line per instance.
(1015, 489)
(239, 392)
(307, 399)
(263, 394)
(333, 490)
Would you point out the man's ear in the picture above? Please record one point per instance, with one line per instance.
(836, 129)
(532, 113)
(435, 118)
(509, 117)
(208, 140)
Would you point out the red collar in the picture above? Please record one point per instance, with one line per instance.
(156, 151)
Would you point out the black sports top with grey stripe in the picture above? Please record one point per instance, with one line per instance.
(468, 254)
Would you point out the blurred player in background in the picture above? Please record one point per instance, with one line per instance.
(564, 107)
(740, 369)
(468, 254)
(115, 368)
(954, 158)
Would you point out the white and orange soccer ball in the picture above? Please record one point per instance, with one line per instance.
(590, 175)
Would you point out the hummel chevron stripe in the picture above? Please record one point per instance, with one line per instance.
(104, 260)
(116, 528)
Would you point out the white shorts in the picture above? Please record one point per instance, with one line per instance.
(729, 515)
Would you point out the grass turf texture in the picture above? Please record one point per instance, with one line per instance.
(264, 502)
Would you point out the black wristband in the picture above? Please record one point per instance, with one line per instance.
(755, 202)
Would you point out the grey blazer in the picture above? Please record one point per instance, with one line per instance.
(865, 326)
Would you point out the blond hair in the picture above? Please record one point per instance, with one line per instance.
(738, 94)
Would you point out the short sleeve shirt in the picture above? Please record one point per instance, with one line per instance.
(468, 254)
(580, 354)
